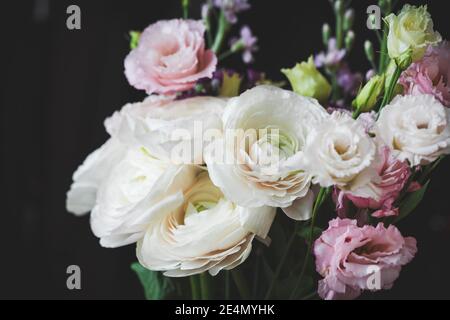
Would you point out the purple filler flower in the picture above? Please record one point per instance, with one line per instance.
(231, 8)
(246, 43)
(332, 57)
(348, 81)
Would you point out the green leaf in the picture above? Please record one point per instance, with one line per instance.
(411, 202)
(305, 232)
(156, 286)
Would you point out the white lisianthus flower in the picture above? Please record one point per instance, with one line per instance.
(139, 186)
(206, 232)
(411, 29)
(416, 128)
(257, 161)
(339, 152)
(172, 129)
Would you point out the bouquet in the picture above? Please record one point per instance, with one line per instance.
(232, 185)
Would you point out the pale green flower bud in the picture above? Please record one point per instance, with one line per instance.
(349, 40)
(326, 33)
(134, 39)
(369, 94)
(349, 17)
(368, 49)
(307, 81)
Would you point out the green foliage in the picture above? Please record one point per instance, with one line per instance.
(156, 286)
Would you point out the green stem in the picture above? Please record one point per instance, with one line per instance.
(225, 55)
(281, 263)
(241, 283)
(195, 289)
(339, 30)
(221, 32)
(323, 194)
(388, 94)
(383, 45)
(185, 6)
(205, 286)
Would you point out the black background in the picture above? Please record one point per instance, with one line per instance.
(56, 88)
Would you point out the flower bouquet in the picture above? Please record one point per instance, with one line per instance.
(232, 185)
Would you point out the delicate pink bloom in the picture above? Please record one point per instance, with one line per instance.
(170, 57)
(393, 176)
(248, 43)
(352, 258)
(332, 57)
(431, 75)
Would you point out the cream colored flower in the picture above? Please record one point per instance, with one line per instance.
(416, 128)
(172, 130)
(205, 232)
(411, 29)
(339, 152)
(257, 162)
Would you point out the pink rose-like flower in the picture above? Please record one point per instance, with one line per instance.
(352, 258)
(431, 75)
(170, 57)
(393, 176)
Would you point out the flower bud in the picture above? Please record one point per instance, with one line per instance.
(368, 49)
(307, 81)
(368, 95)
(349, 40)
(134, 39)
(349, 17)
(326, 33)
(339, 7)
(404, 60)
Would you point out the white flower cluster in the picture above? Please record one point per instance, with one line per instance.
(202, 213)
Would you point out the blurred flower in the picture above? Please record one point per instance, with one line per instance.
(332, 57)
(307, 81)
(231, 8)
(411, 29)
(431, 75)
(231, 82)
(352, 258)
(246, 43)
(349, 81)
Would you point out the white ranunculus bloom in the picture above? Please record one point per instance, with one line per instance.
(416, 128)
(88, 177)
(205, 232)
(138, 187)
(340, 152)
(256, 163)
(172, 129)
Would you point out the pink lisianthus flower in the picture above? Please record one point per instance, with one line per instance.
(170, 57)
(352, 258)
(430, 75)
(394, 175)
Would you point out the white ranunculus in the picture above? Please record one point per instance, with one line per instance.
(171, 129)
(138, 186)
(416, 128)
(205, 232)
(339, 152)
(256, 163)
(88, 177)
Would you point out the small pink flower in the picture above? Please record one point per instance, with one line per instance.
(170, 57)
(430, 75)
(394, 174)
(352, 258)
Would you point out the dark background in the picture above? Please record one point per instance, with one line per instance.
(56, 88)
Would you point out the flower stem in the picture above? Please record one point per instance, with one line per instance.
(321, 197)
(185, 6)
(281, 263)
(389, 92)
(205, 286)
(225, 55)
(339, 30)
(195, 289)
(221, 32)
(382, 64)
(241, 283)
